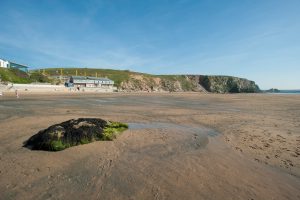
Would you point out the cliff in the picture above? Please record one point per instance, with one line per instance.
(127, 80)
(169, 83)
(196, 83)
(226, 84)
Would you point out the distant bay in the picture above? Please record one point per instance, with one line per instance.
(287, 92)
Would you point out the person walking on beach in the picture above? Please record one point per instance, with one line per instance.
(17, 93)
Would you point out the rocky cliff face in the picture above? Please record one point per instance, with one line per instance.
(181, 83)
(226, 84)
(168, 83)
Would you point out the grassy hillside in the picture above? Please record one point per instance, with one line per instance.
(14, 76)
(17, 76)
(117, 75)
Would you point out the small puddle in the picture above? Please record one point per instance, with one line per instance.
(195, 137)
(160, 125)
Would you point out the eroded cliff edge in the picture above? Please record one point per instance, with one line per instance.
(183, 83)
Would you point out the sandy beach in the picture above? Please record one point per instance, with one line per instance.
(178, 146)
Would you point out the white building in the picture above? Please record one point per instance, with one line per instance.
(4, 63)
(9, 64)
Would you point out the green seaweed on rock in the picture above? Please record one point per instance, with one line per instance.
(112, 129)
(75, 132)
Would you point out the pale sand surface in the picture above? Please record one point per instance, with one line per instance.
(179, 146)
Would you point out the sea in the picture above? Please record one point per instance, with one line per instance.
(287, 92)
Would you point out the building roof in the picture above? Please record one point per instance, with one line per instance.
(90, 78)
(17, 65)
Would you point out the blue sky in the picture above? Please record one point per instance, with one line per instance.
(254, 39)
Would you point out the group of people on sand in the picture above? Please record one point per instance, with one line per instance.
(16, 93)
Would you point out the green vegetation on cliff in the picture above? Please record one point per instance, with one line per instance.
(118, 76)
(16, 76)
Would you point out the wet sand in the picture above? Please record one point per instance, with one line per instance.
(179, 146)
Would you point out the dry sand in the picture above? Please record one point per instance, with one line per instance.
(179, 146)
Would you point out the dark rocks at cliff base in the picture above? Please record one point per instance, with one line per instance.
(227, 84)
(74, 132)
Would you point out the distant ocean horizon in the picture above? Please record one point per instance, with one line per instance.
(286, 92)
